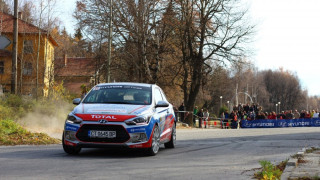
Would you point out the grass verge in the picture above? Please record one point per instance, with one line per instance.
(12, 133)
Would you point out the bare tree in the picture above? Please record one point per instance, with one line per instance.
(209, 31)
(284, 87)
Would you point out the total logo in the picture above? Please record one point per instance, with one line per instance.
(102, 117)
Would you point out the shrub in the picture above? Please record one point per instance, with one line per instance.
(270, 171)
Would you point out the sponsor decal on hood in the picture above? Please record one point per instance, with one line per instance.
(107, 111)
(111, 109)
(108, 117)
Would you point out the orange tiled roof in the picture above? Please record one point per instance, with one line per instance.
(23, 27)
(75, 67)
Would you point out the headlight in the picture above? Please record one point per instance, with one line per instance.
(138, 121)
(73, 119)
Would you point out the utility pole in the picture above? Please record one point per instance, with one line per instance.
(110, 43)
(237, 100)
(14, 76)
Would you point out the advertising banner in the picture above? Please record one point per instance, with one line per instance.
(273, 123)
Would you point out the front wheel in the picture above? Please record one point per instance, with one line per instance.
(154, 149)
(172, 142)
(70, 149)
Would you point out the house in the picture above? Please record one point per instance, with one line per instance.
(31, 40)
(75, 72)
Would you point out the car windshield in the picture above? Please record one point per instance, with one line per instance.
(119, 94)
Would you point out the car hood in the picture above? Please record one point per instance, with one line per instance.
(112, 109)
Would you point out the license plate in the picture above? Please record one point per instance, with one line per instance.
(102, 134)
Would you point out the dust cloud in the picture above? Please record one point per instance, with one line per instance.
(47, 119)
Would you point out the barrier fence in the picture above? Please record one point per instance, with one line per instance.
(258, 123)
(213, 122)
(273, 123)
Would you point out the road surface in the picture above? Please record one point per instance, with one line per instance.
(199, 154)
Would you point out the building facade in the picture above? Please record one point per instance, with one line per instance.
(35, 68)
(76, 72)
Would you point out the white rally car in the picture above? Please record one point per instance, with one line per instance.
(132, 115)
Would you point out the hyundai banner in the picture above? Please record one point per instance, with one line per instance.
(272, 123)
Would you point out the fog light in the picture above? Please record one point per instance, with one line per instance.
(70, 135)
(138, 137)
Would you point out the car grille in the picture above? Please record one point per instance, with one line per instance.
(121, 137)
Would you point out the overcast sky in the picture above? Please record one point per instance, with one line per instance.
(288, 36)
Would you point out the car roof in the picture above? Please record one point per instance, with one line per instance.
(126, 84)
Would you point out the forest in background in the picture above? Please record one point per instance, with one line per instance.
(198, 50)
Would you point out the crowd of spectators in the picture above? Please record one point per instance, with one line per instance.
(244, 112)
(247, 112)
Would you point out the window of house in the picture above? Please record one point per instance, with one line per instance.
(27, 69)
(27, 46)
(1, 67)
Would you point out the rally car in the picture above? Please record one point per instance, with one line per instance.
(132, 115)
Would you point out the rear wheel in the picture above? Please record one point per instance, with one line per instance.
(154, 149)
(70, 149)
(172, 142)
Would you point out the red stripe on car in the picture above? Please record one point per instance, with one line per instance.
(108, 117)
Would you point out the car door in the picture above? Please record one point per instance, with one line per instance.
(162, 114)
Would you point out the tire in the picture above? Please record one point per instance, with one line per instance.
(155, 146)
(70, 149)
(172, 142)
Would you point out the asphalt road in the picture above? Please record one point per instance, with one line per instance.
(200, 154)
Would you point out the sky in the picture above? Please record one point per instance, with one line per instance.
(288, 36)
(66, 8)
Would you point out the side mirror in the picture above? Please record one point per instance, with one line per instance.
(162, 104)
(76, 101)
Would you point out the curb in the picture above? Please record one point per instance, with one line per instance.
(292, 163)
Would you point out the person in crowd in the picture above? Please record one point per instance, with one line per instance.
(222, 120)
(289, 115)
(200, 115)
(261, 115)
(296, 114)
(311, 113)
(282, 115)
(246, 108)
(250, 116)
(181, 109)
(274, 115)
(234, 119)
(315, 114)
(241, 115)
(195, 114)
(226, 114)
(245, 115)
(235, 108)
(251, 109)
(240, 108)
(308, 115)
(195, 110)
(226, 119)
(206, 118)
(302, 114)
